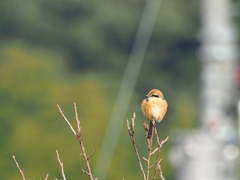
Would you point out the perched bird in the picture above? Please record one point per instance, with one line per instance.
(154, 107)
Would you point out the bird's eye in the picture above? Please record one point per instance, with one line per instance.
(154, 95)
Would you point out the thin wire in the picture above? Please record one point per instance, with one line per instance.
(126, 88)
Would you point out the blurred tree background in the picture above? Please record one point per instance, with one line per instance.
(58, 52)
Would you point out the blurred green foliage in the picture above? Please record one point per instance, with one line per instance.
(60, 52)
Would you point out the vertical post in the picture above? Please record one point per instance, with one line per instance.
(208, 153)
(218, 54)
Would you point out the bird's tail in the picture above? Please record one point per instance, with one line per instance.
(150, 130)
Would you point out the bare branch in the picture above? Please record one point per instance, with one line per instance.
(21, 171)
(154, 151)
(46, 177)
(149, 141)
(64, 117)
(144, 159)
(61, 165)
(146, 128)
(130, 127)
(133, 120)
(85, 172)
(158, 160)
(78, 135)
(160, 171)
(159, 165)
(165, 140)
(76, 117)
(91, 154)
(156, 165)
(158, 156)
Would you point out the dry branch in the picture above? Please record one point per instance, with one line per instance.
(61, 165)
(151, 152)
(149, 141)
(46, 177)
(78, 135)
(158, 160)
(64, 117)
(21, 171)
(130, 127)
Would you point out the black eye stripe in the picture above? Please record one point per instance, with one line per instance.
(154, 95)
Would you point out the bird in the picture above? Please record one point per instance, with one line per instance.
(154, 107)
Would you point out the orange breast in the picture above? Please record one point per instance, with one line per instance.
(154, 109)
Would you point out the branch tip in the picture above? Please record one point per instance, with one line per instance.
(19, 169)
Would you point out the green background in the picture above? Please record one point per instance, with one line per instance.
(60, 52)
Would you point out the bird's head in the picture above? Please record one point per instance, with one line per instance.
(155, 93)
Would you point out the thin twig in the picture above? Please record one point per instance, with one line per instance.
(152, 165)
(61, 165)
(21, 171)
(159, 165)
(160, 170)
(61, 112)
(151, 152)
(130, 127)
(46, 177)
(154, 151)
(149, 141)
(144, 159)
(76, 117)
(91, 154)
(158, 160)
(165, 140)
(78, 135)
(85, 172)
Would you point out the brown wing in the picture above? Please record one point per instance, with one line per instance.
(164, 105)
(146, 109)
